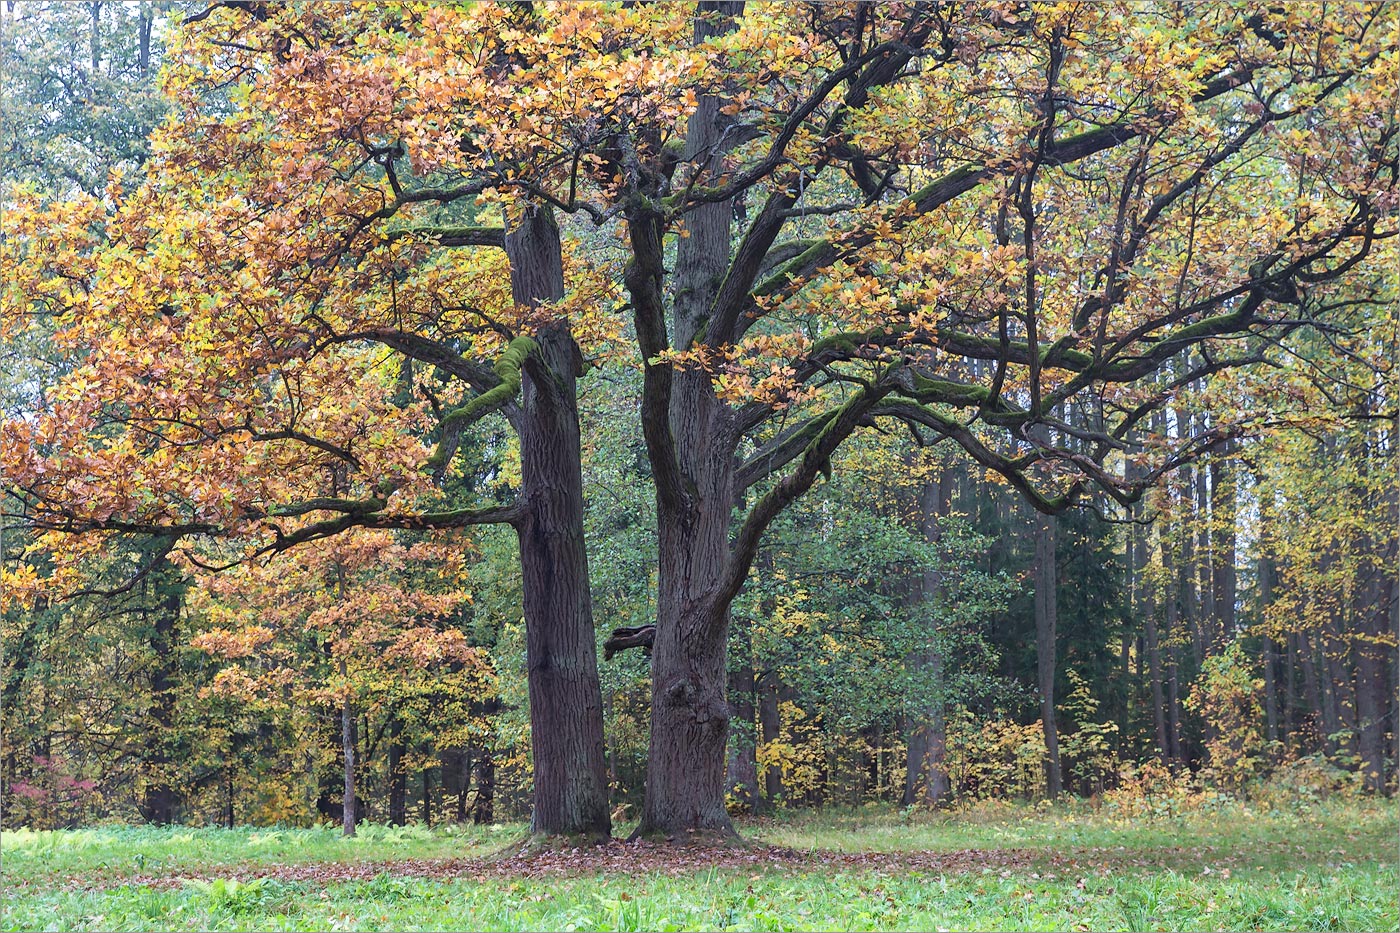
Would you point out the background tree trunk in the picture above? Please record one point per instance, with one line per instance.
(1045, 610)
(160, 800)
(926, 777)
(347, 746)
(484, 806)
(741, 775)
(398, 780)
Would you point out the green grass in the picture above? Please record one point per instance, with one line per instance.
(1322, 867)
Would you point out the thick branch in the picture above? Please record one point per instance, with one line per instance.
(507, 371)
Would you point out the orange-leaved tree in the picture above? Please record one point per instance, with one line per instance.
(968, 219)
(359, 620)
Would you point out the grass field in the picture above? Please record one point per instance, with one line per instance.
(1320, 866)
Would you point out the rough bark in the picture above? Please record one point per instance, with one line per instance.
(691, 446)
(566, 703)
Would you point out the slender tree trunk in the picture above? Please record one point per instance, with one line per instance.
(1341, 689)
(1159, 718)
(462, 763)
(143, 49)
(1224, 581)
(95, 37)
(771, 723)
(398, 779)
(1208, 621)
(484, 806)
(160, 799)
(742, 771)
(1269, 662)
(1312, 686)
(1292, 721)
(1268, 577)
(427, 779)
(926, 775)
(1178, 755)
(566, 703)
(347, 745)
(1270, 653)
(1045, 610)
(1372, 607)
(1140, 541)
(1171, 622)
(1370, 707)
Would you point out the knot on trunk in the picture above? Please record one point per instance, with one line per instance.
(706, 704)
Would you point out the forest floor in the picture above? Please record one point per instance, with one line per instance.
(1308, 866)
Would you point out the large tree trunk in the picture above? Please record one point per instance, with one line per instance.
(566, 703)
(689, 718)
(1045, 609)
(692, 450)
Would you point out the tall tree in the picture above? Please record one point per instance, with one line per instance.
(328, 162)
